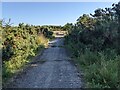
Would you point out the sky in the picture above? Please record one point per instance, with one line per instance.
(48, 13)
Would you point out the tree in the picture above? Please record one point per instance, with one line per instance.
(86, 22)
(68, 27)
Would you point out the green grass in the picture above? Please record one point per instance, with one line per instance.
(100, 69)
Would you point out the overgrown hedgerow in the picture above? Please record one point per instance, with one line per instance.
(19, 43)
(95, 43)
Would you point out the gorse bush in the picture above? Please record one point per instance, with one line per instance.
(98, 31)
(94, 42)
(19, 43)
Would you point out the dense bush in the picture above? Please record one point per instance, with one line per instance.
(94, 42)
(19, 43)
(100, 70)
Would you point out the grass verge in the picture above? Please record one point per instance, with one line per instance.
(100, 69)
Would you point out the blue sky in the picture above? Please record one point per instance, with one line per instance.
(48, 13)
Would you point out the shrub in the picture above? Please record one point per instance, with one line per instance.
(19, 44)
(98, 71)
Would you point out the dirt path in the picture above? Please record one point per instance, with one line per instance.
(55, 72)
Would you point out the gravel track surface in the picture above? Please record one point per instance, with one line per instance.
(55, 72)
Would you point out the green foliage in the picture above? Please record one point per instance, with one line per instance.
(54, 28)
(68, 27)
(19, 43)
(100, 68)
(102, 73)
(94, 41)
